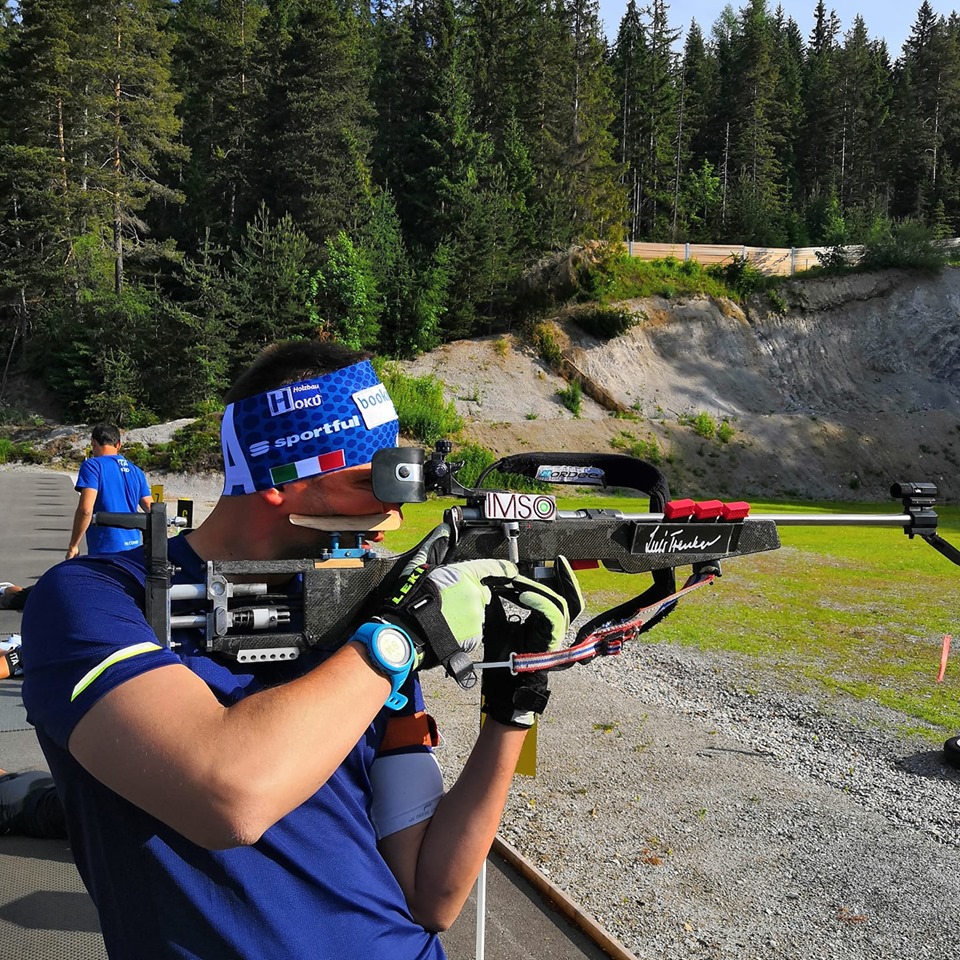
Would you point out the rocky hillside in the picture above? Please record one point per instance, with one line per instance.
(846, 386)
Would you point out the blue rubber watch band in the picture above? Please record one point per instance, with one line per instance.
(397, 672)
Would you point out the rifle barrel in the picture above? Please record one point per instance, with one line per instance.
(835, 519)
(780, 519)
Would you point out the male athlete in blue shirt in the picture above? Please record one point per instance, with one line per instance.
(292, 810)
(111, 483)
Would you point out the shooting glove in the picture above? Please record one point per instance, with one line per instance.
(443, 611)
(510, 698)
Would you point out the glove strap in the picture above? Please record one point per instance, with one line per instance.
(528, 700)
(432, 625)
(525, 700)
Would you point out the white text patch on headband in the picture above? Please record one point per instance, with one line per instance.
(305, 429)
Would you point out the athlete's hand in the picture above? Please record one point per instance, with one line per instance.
(440, 605)
(510, 698)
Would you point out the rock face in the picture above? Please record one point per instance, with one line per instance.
(835, 390)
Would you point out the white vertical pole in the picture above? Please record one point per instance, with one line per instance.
(481, 908)
(482, 876)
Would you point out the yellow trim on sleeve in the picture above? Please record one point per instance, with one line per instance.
(124, 654)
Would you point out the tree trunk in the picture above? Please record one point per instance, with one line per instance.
(117, 207)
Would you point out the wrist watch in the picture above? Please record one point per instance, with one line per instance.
(391, 652)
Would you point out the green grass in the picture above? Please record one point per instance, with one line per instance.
(854, 610)
(620, 277)
(633, 278)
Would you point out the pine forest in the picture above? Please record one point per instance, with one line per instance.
(183, 182)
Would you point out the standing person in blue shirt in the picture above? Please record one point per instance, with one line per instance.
(286, 809)
(108, 482)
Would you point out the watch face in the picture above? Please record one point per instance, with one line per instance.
(393, 646)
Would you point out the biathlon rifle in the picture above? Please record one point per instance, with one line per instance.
(245, 619)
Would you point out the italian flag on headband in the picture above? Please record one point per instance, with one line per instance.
(308, 468)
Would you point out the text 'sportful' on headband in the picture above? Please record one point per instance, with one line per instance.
(304, 429)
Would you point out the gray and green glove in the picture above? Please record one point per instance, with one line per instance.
(510, 698)
(443, 610)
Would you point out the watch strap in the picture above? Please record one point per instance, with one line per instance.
(366, 634)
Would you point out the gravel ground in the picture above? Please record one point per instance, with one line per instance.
(700, 810)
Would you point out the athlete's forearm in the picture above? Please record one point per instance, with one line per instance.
(81, 521)
(463, 828)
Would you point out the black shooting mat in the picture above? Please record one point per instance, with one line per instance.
(13, 715)
(45, 912)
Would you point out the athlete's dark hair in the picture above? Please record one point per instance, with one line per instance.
(106, 434)
(289, 362)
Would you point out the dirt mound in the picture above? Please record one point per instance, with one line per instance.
(855, 384)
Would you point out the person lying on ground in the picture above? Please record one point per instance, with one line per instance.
(10, 661)
(30, 806)
(13, 597)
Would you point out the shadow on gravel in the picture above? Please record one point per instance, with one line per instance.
(931, 764)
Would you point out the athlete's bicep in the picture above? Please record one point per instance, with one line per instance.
(148, 739)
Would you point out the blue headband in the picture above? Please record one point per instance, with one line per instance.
(304, 429)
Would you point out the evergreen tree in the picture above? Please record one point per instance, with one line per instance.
(697, 80)
(756, 139)
(211, 318)
(423, 110)
(724, 37)
(413, 296)
(345, 291)
(7, 25)
(864, 174)
(820, 136)
(317, 137)
(500, 62)
(219, 69)
(928, 88)
(662, 124)
(458, 197)
(787, 112)
(133, 128)
(500, 68)
(627, 62)
(579, 196)
(40, 182)
(271, 291)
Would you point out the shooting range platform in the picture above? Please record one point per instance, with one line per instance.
(44, 909)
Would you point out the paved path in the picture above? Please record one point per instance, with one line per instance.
(45, 911)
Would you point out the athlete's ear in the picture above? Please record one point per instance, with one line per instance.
(273, 495)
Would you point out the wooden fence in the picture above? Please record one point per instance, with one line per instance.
(782, 261)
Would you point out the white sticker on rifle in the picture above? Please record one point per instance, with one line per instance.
(520, 506)
(593, 476)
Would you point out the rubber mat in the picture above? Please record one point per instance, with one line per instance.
(45, 912)
(13, 715)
